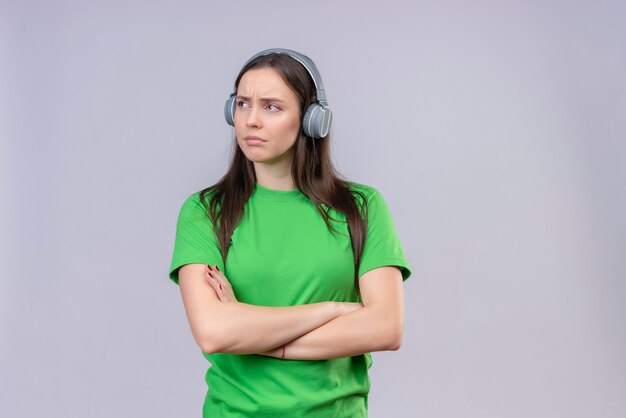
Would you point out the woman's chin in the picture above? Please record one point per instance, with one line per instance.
(264, 157)
(256, 157)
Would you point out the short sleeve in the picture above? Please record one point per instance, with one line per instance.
(382, 245)
(195, 240)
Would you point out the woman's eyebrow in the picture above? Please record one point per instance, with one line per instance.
(263, 99)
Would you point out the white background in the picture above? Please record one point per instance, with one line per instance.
(494, 129)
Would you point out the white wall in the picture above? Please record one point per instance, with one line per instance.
(495, 131)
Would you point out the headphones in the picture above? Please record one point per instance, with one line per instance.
(317, 118)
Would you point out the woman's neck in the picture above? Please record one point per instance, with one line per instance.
(274, 177)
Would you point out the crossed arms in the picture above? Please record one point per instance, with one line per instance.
(316, 331)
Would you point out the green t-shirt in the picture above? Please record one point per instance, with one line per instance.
(283, 254)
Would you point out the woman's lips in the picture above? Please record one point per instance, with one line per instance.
(253, 140)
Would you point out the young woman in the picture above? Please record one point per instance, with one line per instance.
(290, 276)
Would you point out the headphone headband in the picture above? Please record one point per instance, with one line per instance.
(306, 63)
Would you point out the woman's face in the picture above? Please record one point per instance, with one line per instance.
(267, 117)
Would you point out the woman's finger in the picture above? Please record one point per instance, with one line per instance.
(220, 277)
(207, 271)
(209, 277)
(215, 285)
(225, 287)
(220, 293)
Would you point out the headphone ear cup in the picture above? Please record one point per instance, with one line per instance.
(306, 121)
(229, 110)
(317, 120)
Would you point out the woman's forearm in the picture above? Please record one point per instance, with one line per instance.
(221, 324)
(378, 326)
(361, 331)
(240, 328)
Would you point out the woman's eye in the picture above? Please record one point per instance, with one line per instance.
(241, 103)
(273, 107)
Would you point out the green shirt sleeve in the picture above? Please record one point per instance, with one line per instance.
(195, 240)
(382, 245)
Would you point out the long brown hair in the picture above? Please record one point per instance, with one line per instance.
(312, 171)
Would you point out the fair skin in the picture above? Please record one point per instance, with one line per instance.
(240, 328)
(377, 326)
(269, 110)
(267, 124)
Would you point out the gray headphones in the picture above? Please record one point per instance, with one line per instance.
(318, 117)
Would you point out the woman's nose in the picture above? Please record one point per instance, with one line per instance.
(253, 118)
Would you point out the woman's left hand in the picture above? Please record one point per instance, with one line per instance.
(220, 284)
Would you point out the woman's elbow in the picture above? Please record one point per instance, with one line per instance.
(211, 343)
(395, 333)
(395, 344)
(209, 347)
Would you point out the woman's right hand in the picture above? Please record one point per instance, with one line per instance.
(220, 284)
